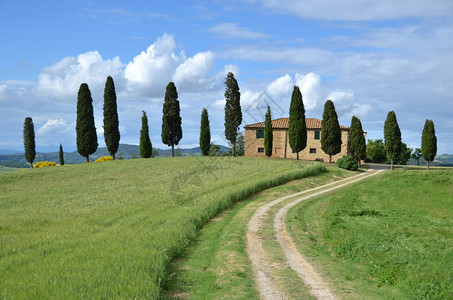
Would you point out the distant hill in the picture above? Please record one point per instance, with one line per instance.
(15, 159)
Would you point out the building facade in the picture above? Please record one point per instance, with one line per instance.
(254, 140)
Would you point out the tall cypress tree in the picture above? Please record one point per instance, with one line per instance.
(357, 147)
(87, 139)
(392, 136)
(61, 156)
(205, 133)
(146, 148)
(29, 141)
(268, 134)
(429, 142)
(330, 131)
(297, 132)
(233, 113)
(111, 130)
(171, 119)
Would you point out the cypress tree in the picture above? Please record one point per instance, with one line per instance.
(111, 130)
(297, 132)
(171, 120)
(429, 142)
(233, 113)
(268, 134)
(146, 148)
(205, 133)
(392, 136)
(61, 156)
(87, 140)
(330, 131)
(357, 147)
(29, 141)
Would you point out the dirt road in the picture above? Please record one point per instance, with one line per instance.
(262, 261)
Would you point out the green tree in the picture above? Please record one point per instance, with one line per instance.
(330, 131)
(375, 151)
(392, 136)
(297, 131)
(357, 146)
(87, 139)
(146, 148)
(416, 154)
(214, 150)
(205, 133)
(61, 156)
(240, 145)
(111, 129)
(268, 135)
(429, 142)
(233, 113)
(404, 156)
(29, 141)
(171, 119)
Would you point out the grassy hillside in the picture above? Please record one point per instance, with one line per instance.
(387, 238)
(109, 230)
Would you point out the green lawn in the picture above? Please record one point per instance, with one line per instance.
(390, 237)
(216, 265)
(109, 230)
(7, 169)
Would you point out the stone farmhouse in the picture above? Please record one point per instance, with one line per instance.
(254, 140)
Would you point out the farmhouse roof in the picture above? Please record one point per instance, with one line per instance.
(283, 123)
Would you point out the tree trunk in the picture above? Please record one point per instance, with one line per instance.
(234, 149)
(418, 163)
(391, 164)
(427, 165)
(31, 165)
(113, 155)
(330, 158)
(88, 158)
(297, 155)
(172, 150)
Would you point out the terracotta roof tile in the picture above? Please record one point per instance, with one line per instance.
(283, 123)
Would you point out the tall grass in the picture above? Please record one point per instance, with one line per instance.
(110, 230)
(390, 237)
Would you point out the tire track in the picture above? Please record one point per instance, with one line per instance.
(261, 261)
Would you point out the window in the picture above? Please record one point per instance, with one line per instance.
(260, 150)
(312, 150)
(260, 133)
(316, 136)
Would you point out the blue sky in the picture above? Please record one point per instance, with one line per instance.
(368, 57)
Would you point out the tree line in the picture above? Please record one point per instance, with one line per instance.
(87, 143)
(86, 136)
(392, 149)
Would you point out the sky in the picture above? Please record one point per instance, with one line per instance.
(368, 57)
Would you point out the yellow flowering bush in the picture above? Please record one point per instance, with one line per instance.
(104, 158)
(42, 164)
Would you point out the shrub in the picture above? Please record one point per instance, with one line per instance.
(42, 164)
(348, 163)
(104, 158)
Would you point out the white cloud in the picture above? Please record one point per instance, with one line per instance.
(150, 71)
(311, 89)
(63, 79)
(280, 87)
(346, 105)
(352, 10)
(53, 126)
(193, 73)
(232, 30)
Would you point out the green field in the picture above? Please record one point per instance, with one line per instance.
(390, 237)
(109, 230)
